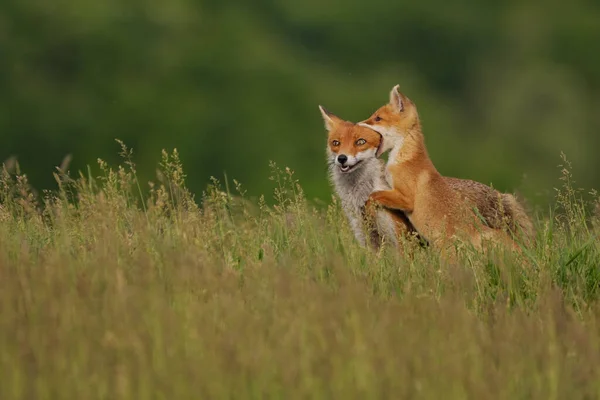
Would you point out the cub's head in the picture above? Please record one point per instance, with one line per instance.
(349, 144)
(394, 120)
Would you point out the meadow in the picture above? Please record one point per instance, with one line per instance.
(111, 288)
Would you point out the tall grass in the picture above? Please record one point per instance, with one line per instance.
(108, 292)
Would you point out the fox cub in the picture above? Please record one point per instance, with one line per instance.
(435, 207)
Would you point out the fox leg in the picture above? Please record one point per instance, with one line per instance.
(392, 199)
(494, 237)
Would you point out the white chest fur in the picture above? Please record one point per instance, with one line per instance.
(354, 189)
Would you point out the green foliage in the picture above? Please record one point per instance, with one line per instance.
(233, 84)
(109, 292)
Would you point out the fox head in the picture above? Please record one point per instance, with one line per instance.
(394, 121)
(349, 144)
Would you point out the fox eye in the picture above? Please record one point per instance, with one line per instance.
(360, 142)
(377, 118)
(335, 143)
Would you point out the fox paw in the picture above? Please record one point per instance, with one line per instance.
(371, 206)
(375, 198)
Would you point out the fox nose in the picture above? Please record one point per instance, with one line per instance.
(342, 158)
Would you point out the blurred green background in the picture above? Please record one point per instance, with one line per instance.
(502, 87)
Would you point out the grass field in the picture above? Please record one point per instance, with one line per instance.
(105, 296)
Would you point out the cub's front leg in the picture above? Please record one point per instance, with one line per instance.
(392, 199)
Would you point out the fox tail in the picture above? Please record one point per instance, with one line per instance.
(519, 222)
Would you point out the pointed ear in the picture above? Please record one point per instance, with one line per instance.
(330, 119)
(396, 99)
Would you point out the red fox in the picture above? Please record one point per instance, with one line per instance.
(355, 172)
(436, 209)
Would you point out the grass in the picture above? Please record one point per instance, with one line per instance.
(106, 296)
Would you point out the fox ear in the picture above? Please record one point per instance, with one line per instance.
(330, 119)
(396, 98)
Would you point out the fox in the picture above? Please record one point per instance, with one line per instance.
(354, 173)
(431, 202)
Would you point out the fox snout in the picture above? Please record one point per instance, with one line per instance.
(346, 163)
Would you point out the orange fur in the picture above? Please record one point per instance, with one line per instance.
(347, 134)
(438, 211)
